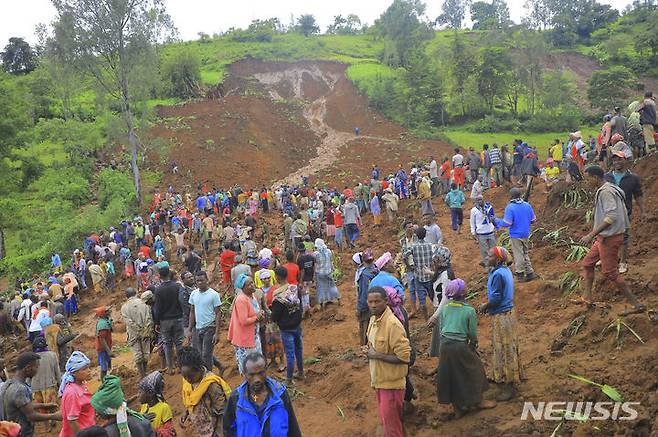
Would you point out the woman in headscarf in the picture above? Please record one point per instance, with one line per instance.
(273, 345)
(154, 407)
(460, 376)
(443, 274)
(114, 415)
(204, 396)
(324, 269)
(507, 370)
(243, 329)
(77, 412)
(396, 304)
(45, 383)
(264, 264)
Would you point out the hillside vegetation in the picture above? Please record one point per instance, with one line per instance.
(64, 145)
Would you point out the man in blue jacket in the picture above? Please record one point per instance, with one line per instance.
(519, 216)
(260, 406)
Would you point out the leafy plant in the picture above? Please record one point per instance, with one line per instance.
(575, 197)
(569, 282)
(557, 237)
(504, 240)
(617, 324)
(577, 253)
(609, 391)
(589, 215)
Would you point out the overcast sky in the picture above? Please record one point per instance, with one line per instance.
(19, 17)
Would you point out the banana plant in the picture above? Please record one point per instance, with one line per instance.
(608, 390)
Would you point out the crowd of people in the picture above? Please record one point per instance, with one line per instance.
(269, 280)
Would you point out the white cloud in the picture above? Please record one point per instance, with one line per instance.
(19, 18)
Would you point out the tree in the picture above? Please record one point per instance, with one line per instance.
(539, 14)
(453, 14)
(403, 30)
(490, 16)
(345, 26)
(425, 102)
(608, 88)
(112, 39)
(462, 67)
(493, 74)
(306, 25)
(18, 57)
(530, 48)
(558, 91)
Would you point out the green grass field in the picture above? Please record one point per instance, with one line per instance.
(542, 141)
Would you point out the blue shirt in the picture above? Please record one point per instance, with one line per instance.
(201, 202)
(500, 290)
(518, 217)
(455, 198)
(204, 306)
(384, 279)
(363, 284)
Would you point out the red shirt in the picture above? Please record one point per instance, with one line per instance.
(107, 335)
(445, 169)
(293, 273)
(145, 250)
(76, 405)
(347, 192)
(227, 259)
(338, 219)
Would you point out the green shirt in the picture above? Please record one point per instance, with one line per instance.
(459, 322)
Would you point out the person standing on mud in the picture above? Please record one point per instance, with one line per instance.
(631, 185)
(519, 217)
(139, 328)
(389, 353)
(610, 223)
(351, 220)
(506, 363)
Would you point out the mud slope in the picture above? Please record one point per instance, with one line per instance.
(280, 121)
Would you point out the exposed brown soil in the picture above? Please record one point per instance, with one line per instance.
(336, 399)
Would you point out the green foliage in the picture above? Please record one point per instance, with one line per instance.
(63, 184)
(183, 72)
(114, 185)
(491, 123)
(608, 87)
(258, 31)
(345, 26)
(306, 25)
(493, 74)
(14, 112)
(402, 29)
(18, 57)
(490, 16)
(453, 14)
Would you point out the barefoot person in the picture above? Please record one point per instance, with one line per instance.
(461, 378)
(610, 223)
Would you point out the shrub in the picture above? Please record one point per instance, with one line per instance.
(549, 122)
(62, 184)
(183, 72)
(115, 185)
(490, 124)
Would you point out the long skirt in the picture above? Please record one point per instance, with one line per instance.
(506, 363)
(435, 343)
(331, 230)
(326, 288)
(460, 378)
(71, 305)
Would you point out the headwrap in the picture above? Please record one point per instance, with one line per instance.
(109, 400)
(319, 245)
(264, 263)
(383, 260)
(442, 254)
(153, 384)
(39, 345)
(367, 255)
(394, 302)
(240, 281)
(500, 253)
(76, 361)
(100, 311)
(455, 289)
(358, 258)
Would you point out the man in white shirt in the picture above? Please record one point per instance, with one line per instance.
(433, 231)
(434, 176)
(482, 227)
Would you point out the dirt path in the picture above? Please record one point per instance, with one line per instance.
(296, 79)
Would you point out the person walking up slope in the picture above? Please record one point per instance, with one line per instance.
(519, 217)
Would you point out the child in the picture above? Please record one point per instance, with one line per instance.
(154, 407)
(104, 339)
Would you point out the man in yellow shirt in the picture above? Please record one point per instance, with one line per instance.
(388, 352)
